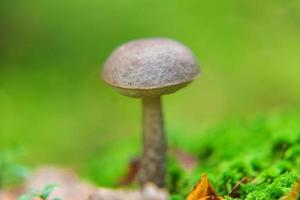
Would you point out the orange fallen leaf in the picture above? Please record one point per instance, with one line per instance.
(294, 193)
(203, 190)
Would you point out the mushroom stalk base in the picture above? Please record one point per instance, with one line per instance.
(153, 165)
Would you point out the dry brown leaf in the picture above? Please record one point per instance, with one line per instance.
(293, 194)
(203, 190)
(131, 173)
(235, 191)
(187, 161)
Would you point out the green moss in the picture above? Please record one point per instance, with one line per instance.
(266, 150)
(269, 188)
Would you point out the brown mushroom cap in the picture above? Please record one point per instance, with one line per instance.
(150, 67)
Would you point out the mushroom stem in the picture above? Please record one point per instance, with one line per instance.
(153, 165)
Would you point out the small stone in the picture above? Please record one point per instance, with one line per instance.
(149, 192)
(69, 187)
(4, 195)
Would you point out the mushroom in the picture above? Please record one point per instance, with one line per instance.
(148, 69)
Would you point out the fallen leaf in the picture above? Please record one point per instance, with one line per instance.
(203, 190)
(235, 191)
(131, 173)
(294, 193)
(187, 162)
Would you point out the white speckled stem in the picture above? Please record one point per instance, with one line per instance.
(153, 165)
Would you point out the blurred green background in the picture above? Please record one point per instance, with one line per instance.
(53, 104)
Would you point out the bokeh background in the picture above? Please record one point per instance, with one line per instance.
(53, 104)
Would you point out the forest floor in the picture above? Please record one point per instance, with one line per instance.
(254, 159)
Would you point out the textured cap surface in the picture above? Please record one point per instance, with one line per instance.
(150, 64)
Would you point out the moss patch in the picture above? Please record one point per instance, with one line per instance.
(264, 150)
